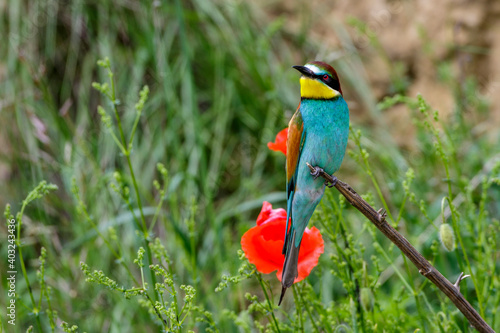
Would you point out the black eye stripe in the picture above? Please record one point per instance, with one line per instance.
(331, 82)
(320, 76)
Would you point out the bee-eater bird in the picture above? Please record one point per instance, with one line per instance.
(317, 134)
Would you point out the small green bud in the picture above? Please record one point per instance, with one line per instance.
(447, 236)
(366, 297)
(105, 118)
(365, 154)
(161, 168)
(117, 176)
(140, 257)
(7, 213)
(126, 192)
(190, 293)
(143, 96)
(66, 328)
(112, 233)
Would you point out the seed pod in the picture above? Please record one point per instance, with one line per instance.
(447, 237)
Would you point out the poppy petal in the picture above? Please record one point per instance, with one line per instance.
(263, 244)
(311, 249)
(268, 214)
(263, 248)
(279, 143)
(265, 212)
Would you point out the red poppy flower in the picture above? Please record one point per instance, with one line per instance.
(263, 244)
(279, 143)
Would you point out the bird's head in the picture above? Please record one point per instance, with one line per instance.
(319, 81)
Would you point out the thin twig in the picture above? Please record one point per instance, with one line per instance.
(424, 267)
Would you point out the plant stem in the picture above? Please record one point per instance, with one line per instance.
(306, 307)
(35, 310)
(268, 302)
(298, 309)
(126, 148)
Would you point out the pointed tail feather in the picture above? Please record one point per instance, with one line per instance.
(283, 290)
(290, 271)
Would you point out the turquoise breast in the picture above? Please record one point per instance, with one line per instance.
(326, 123)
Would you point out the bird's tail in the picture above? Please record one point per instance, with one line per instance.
(290, 271)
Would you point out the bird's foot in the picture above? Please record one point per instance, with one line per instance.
(317, 172)
(332, 183)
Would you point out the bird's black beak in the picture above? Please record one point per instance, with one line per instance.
(304, 70)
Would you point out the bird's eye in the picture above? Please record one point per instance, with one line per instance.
(325, 77)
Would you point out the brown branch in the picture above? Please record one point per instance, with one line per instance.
(424, 267)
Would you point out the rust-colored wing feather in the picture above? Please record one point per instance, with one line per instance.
(294, 143)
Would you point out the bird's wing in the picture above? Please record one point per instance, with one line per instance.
(294, 144)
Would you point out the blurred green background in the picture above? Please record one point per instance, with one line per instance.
(221, 87)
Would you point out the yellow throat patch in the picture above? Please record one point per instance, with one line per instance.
(311, 88)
